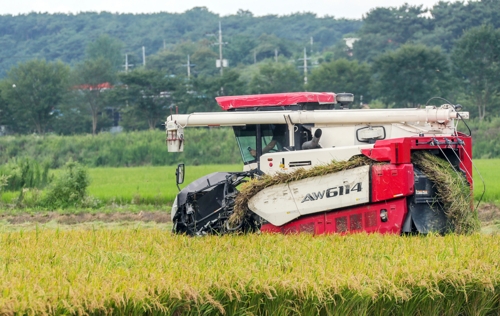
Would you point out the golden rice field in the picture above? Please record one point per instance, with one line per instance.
(150, 271)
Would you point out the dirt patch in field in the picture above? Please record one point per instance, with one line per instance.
(488, 213)
(71, 219)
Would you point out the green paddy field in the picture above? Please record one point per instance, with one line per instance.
(155, 185)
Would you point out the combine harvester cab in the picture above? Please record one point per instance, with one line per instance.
(297, 141)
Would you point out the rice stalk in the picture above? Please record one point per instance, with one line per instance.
(148, 271)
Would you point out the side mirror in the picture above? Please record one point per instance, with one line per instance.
(179, 175)
(370, 134)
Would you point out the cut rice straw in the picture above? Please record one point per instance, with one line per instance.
(453, 191)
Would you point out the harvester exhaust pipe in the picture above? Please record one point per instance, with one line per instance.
(314, 142)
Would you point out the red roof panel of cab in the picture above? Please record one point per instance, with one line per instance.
(275, 99)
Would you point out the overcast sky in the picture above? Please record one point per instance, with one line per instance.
(353, 9)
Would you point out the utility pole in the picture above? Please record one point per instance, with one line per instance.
(144, 56)
(221, 62)
(276, 55)
(305, 65)
(220, 50)
(127, 65)
(312, 42)
(189, 65)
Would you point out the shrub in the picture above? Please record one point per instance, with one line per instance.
(69, 188)
(3, 183)
(25, 173)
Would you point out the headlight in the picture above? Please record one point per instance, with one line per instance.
(174, 209)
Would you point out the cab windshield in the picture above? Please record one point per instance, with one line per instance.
(246, 137)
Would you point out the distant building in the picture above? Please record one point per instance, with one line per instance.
(100, 86)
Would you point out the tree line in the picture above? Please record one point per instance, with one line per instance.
(399, 58)
(65, 36)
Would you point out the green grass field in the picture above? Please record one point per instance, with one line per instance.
(156, 185)
(490, 172)
(139, 185)
(145, 185)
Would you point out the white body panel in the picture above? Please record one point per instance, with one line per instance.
(289, 161)
(282, 203)
(339, 143)
(276, 204)
(336, 135)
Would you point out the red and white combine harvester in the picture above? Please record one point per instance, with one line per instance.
(280, 133)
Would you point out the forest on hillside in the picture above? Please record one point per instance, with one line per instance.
(65, 74)
(66, 36)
